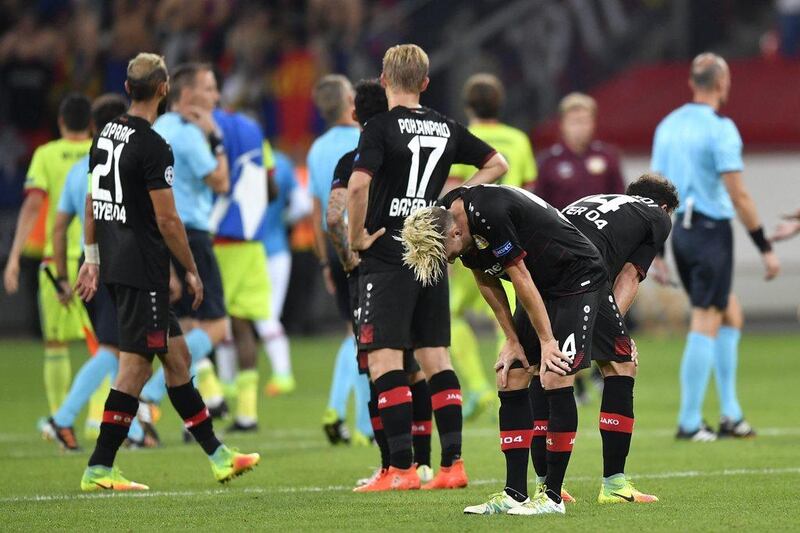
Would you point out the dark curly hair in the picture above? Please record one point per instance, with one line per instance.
(370, 100)
(657, 188)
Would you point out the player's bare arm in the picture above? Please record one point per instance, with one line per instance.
(89, 274)
(25, 223)
(357, 199)
(527, 293)
(493, 170)
(337, 229)
(626, 286)
(511, 351)
(320, 249)
(219, 179)
(171, 228)
(60, 255)
(748, 215)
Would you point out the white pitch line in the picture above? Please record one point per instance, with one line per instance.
(343, 488)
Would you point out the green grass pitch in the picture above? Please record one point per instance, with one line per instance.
(304, 484)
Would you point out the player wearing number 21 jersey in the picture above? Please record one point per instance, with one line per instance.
(401, 164)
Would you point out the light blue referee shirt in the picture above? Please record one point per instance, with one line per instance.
(193, 162)
(76, 186)
(322, 159)
(693, 147)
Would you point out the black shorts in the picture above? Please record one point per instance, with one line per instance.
(213, 305)
(572, 319)
(340, 281)
(103, 315)
(704, 256)
(410, 363)
(146, 320)
(398, 312)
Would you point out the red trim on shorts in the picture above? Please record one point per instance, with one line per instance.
(118, 418)
(615, 422)
(366, 333)
(540, 428)
(156, 339)
(377, 423)
(516, 438)
(561, 441)
(422, 427)
(623, 346)
(445, 398)
(199, 418)
(395, 396)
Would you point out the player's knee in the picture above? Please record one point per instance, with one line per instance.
(382, 361)
(706, 321)
(614, 368)
(416, 377)
(518, 379)
(217, 329)
(433, 360)
(551, 380)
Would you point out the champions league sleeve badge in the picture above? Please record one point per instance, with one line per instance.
(480, 242)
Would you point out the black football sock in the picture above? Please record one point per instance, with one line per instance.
(195, 415)
(616, 423)
(561, 430)
(422, 422)
(516, 421)
(446, 403)
(394, 405)
(541, 414)
(377, 426)
(119, 411)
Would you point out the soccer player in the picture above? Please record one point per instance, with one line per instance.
(45, 180)
(333, 96)
(101, 309)
(237, 221)
(562, 286)
(628, 230)
(201, 170)
(706, 167)
(370, 100)
(401, 165)
(132, 226)
(484, 96)
(291, 204)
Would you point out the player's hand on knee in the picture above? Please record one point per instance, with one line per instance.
(86, 286)
(195, 288)
(554, 359)
(772, 265)
(510, 353)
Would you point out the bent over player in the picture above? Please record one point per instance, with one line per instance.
(628, 230)
(131, 228)
(561, 284)
(401, 165)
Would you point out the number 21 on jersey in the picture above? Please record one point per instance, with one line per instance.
(104, 207)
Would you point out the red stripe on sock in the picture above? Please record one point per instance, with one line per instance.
(445, 398)
(199, 418)
(516, 438)
(560, 441)
(377, 423)
(117, 417)
(421, 427)
(615, 422)
(540, 428)
(395, 396)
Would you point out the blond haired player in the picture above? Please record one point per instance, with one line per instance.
(401, 165)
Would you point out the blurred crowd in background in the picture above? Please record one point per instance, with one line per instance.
(269, 54)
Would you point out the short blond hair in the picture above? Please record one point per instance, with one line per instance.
(574, 101)
(145, 72)
(405, 67)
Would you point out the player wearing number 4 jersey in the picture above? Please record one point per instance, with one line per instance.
(132, 226)
(401, 164)
(567, 318)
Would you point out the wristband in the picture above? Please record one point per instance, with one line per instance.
(760, 240)
(92, 254)
(215, 141)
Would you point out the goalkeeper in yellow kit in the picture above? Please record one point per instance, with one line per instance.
(483, 98)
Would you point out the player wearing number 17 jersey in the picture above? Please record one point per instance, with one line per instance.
(401, 165)
(132, 226)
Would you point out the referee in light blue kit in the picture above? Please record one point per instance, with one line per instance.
(700, 151)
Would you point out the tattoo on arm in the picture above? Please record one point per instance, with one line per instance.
(337, 228)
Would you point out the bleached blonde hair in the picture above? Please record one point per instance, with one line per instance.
(405, 67)
(423, 237)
